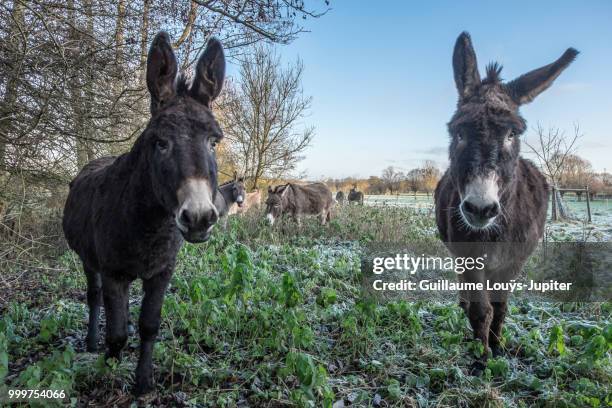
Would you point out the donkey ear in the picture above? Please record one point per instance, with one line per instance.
(235, 175)
(525, 88)
(210, 72)
(161, 70)
(465, 66)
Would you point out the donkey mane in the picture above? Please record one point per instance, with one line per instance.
(281, 188)
(226, 183)
(493, 71)
(182, 84)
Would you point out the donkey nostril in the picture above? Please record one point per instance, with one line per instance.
(185, 218)
(485, 212)
(213, 217)
(490, 211)
(470, 208)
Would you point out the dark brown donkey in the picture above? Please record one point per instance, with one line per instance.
(355, 196)
(126, 216)
(298, 200)
(340, 197)
(230, 193)
(491, 195)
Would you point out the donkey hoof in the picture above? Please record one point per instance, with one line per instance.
(477, 368)
(91, 343)
(496, 350)
(112, 354)
(131, 329)
(144, 386)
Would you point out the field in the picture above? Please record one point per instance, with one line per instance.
(269, 317)
(577, 229)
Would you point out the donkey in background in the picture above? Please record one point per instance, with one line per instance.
(490, 194)
(252, 201)
(299, 200)
(126, 216)
(355, 196)
(230, 193)
(340, 197)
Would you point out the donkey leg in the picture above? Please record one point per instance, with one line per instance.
(116, 306)
(480, 314)
(464, 302)
(130, 326)
(150, 316)
(322, 217)
(94, 301)
(499, 314)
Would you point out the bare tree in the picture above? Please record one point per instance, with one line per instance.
(391, 179)
(430, 176)
(415, 181)
(576, 173)
(262, 116)
(72, 81)
(71, 73)
(552, 148)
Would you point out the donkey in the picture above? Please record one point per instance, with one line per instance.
(297, 200)
(230, 193)
(126, 216)
(490, 194)
(340, 197)
(355, 196)
(251, 200)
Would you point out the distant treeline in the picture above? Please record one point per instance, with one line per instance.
(392, 181)
(576, 173)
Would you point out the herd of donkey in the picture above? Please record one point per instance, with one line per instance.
(127, 216)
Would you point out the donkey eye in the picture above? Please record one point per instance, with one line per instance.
(460, 136)
(511, 135)
(161, 144)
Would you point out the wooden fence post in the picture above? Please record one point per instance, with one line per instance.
(588, 204)
(554, 203)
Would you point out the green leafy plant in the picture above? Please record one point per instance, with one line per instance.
(556, 340)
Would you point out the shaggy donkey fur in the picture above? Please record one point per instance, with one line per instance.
(126, 216)
(491, 200)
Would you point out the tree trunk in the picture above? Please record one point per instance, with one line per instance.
(76, 88)
(561, 208)
(120, 36)
(117, 86)
(193, 12)
(144, 41)
(89, 84)
(12, 81)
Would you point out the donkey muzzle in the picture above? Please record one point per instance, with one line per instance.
(479, 215)
(270, 218)
(196, 215)
(481, 203)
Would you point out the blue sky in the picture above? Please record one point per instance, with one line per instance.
(382, 83)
